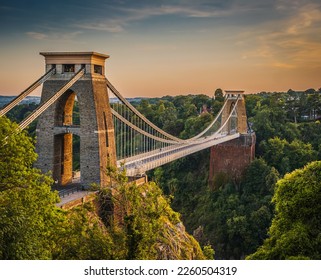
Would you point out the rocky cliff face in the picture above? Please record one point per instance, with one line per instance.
(177, 244)
(140, 224)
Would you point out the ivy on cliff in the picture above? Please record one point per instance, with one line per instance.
(150, 229)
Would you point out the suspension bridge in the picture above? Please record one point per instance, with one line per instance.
(116, 134)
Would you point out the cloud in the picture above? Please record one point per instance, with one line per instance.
(125, 16)
(307, 17)
(112, 26)
(37, 35)
(56, 36)
(117, 17)
(286, 5)
(196, 12)
(291, 41)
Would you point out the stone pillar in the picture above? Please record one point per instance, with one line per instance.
(66, 174)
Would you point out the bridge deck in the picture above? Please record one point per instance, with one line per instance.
(72, 197)
(144, 162)
(71, 193)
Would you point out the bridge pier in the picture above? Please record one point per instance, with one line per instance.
(228, 160)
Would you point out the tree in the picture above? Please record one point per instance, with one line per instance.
(146, 109)
(310, 91)
(292, 105)
(195, 125)
(285, 156)
(311, 133)
(233, 220)
(20, 112)
(199, 100)
(263, 124)
(218, 94)
(188, 110)
(252, 103)
(313, 105)
(295, 232)
(31, 225)
(28, 215)
(259, 178)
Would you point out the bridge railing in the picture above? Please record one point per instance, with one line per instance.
(69, 191)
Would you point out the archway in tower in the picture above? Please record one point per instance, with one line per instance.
(233, 119)
(67, 144)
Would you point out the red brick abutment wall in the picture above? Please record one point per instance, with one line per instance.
(229, 160)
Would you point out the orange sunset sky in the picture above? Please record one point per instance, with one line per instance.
(162, 48)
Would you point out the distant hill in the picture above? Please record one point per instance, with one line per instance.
(29, 99)
(36, 99)
(130, 99)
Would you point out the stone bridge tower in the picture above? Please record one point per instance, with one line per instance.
(228, 160)
(56, 127)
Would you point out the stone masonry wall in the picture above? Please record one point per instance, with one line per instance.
(96, 130)
(231, 158)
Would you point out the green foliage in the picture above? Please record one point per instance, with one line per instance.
(32, 227)
(145, 210)
(172, 113)
(220, 180)
(76, 152)
(82, 236)
(295, 232)
(284, 138)
(208, 252)
(195, 125)
(268, 122)
(218, 94)
(259, 178)
(311, 133)
(28, 215)
(252, 102)
(282, 110)
(285, 156)
(235, 220)
(150, 229)
(20, 112)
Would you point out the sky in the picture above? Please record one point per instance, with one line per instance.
(171, 47)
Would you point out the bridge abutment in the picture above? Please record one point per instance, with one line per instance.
(229, 160)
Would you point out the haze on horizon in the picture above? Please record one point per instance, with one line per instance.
(172, 47)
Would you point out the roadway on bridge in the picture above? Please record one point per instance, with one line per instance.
(70, 192)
